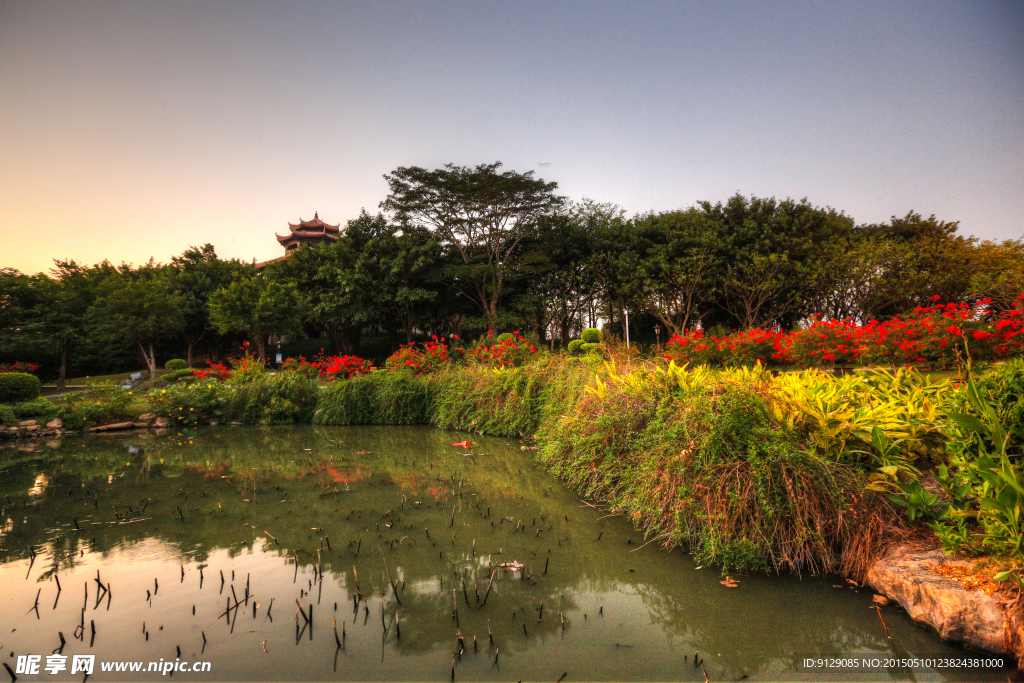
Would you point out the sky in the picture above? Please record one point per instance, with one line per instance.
(131, 130)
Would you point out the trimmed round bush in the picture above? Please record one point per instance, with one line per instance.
(505, 336)
(38, 407)
(7, 416)
(16, 387)
(591, 335)
(590, 348)
(574, 347)
(175, 375)
(176, 364)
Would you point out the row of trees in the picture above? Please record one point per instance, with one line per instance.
(465, 250)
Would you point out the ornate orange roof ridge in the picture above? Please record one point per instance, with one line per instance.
(315, 223)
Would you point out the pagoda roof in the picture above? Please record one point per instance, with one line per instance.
(312, 228)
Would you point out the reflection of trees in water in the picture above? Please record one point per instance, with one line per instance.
(760, 634)
(136, 485)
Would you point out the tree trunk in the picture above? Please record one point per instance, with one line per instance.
(149, 359)
(62, 377)
(188, 355)
(261, 345)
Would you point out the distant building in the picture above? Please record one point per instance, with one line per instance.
(305, 232)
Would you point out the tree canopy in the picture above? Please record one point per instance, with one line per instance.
(463, 250)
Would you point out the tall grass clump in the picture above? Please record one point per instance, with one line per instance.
(396, 398)
(698, 459)
(499, 401)
(268, 400)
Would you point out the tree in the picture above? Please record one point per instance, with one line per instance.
(259, 307)
(918, 258)
(760, 291)
(17, 298)
(999, 273)
(557, 277)
(611, 258)
(483, 214)
(372, 275)
(197, 274)
(675, 273)
(138, 304)
(61, 312)
(767, 240)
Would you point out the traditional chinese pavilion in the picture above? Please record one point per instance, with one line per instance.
(308, 232)
(304, 232)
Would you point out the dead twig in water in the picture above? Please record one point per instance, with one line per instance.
(887, 634)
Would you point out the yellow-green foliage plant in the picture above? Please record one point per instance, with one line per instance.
(887, 421)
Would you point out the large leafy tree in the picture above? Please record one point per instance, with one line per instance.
(195, 275)
(999, 272)
(557, 282)
(483, 214)
(610, 260)
(373, 275)
(259, 307)
(918, 258)
(675, 272)
(766, 252)
(62, 311)
(141, 305)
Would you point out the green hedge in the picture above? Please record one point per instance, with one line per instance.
(16, 387)
(591, 335)
(176, 364)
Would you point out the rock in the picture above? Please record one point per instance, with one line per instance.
(147, 418)
(971, 617)
(162, 422)
(55, 423)
(32, 428)
(27, 423)
(880, 600)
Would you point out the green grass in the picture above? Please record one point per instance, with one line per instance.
(99, 379)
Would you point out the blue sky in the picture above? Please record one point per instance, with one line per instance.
(130, 130)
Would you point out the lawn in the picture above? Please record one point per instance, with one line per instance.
(99, 379)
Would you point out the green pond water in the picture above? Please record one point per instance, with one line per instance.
(397, 535)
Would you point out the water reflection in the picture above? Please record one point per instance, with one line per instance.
(211, 542)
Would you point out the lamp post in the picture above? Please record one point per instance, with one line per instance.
(657, 335)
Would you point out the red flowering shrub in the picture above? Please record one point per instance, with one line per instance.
(823, 344)
(342, 367)
(942, 334)
(19, 366)
(431, 355)
(504, 351)
(740, 348)
(301, 366)
(217, 371)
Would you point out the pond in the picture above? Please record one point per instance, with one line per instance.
(409, 557)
